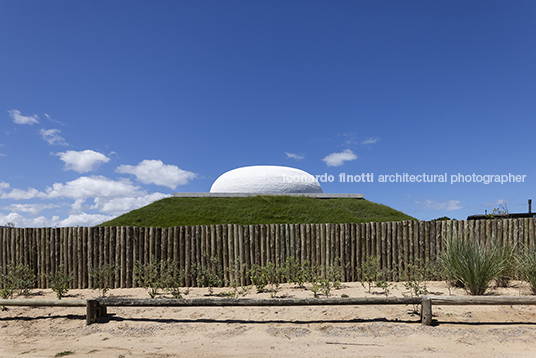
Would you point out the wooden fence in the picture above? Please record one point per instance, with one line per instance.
(397, 245)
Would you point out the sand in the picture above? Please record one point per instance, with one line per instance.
(315, 331)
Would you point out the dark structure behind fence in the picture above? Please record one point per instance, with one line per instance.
(397, 244)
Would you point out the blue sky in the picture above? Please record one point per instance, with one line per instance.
(106, 106)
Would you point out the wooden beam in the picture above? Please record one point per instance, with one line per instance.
(197, 302)
(482, 300)
(60, 303)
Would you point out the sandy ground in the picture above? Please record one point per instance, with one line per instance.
(316, 331)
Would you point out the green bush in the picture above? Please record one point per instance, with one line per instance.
(19, 279)
(210, 275)
(103, 277)
(60, 282)
(266, 275)
(369, 271)
(234, 282)
(507, 254)
(296, 273)
(527, 267)
(173, 278)
(473, 264)
(151, 275)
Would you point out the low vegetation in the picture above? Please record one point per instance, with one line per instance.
(474, 266)
(18, 280)
(464, 263)
(262, 209)
(60, 281)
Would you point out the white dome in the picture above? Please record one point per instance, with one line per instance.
(269, 179)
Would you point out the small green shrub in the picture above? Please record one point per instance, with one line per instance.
(416, 280)
(209, 276)
(172, 279)
(258, 277)
(19, 279)
(369, 271)
(103, 277)
(296, 273)
(334, 273)
(385, 286)
(159, 275)
(60, 282)
(234, 283)
(316, 286)
(151, 275)
(261, 277)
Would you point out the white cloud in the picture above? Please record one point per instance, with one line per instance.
(108, 198)
(19, 194)
(119, 206)
(94, 187)
(32, 209)
(20, 119)
(21, 221)
(370, 140)
(294, 156)
(156, 172)
(438, 205)
(52, 137)
(84, 219)
(53, 120)
(82, 162)
(337, 159)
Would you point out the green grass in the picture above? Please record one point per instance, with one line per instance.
(473, 264)
(527, 267)
(263, 209)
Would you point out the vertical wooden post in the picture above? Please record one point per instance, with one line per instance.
(135, 254)
(84, 253)
(389, 249)
(129, 262)
(163, 245)
(293, 246)
(322, 248)
(93, 311)
(263, 245)
(357, 246)
(426, 311)
(241, 254)
(181, 254)
(221, 238)
(188, 255)
(116, 244)
(123, 256)
(531, 235)
(351, 252)
(256, 244)
(2, 255)
(303, 243)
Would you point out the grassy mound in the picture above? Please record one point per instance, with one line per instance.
(262, 209)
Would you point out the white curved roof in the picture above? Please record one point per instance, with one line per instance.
(266, 179)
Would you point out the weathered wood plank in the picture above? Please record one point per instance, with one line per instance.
(221, 302)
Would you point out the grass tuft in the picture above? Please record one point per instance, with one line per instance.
(473, 264)
(527, 267)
